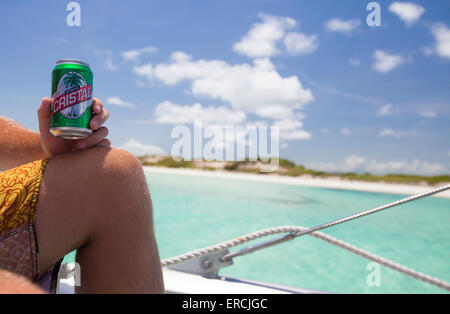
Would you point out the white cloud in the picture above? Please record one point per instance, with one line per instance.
(386, 110)
(354, 62)
(261, 40)
(170, 113)
(385, 62)
(355, 163)
(114, 61)
(253, 88)
(345, 131)
(389, 132)
(134, 54)
(396, 134)
(110, 61)
(130, 54)
(412, 167)
(441, 34)
(291, 130)
(141, 84)
(145, 70)
(274, 112)
(408, 12)
(167, 112)
(116, 101)
(350, 164)
(64, 41)
(341, 26)
(300, 44)
(427, 51)
(427, 113)
(139, 149)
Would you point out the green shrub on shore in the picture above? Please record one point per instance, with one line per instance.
(290, 168)
(233, 166)
(167, 162)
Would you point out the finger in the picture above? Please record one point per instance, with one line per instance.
(99, 119)
(104, 143)
(97, 105)
(93, 139)
(44, 116)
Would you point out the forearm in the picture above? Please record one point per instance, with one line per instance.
(18, 145)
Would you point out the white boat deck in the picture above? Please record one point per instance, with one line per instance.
(177, 282)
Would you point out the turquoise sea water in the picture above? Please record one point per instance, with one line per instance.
(192, 212)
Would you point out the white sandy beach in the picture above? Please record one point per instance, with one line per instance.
(333, 183)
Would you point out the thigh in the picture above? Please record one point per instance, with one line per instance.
(67, 202)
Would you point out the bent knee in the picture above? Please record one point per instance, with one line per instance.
(98, 161)
(116, 168)
(121, 163)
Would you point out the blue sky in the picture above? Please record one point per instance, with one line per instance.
(347, 97)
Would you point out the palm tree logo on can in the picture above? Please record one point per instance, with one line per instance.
(69, 83)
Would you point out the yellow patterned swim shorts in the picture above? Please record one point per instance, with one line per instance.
(19, 192)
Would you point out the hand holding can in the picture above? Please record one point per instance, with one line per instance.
(75, 122)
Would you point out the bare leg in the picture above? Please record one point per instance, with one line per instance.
(11, 283)
(97, 201)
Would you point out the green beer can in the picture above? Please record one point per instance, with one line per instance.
(71, 110)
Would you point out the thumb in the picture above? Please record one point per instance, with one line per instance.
(44, 116)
